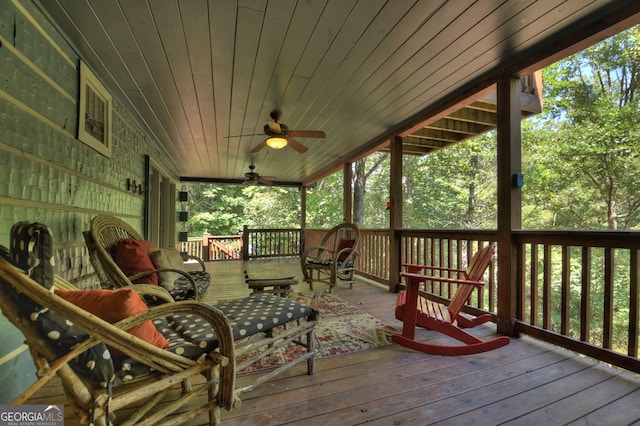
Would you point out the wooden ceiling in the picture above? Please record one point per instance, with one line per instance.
(199, 71)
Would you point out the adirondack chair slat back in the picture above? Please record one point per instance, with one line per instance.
(476, 269)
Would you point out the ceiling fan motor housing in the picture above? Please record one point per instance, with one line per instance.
(270, 132)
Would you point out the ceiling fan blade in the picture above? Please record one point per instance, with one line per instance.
(275, 127)
(307, 133)
(241, 136)
(264, 181)
(259, 146)
(297, 145)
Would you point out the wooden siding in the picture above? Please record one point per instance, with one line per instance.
(46, 174)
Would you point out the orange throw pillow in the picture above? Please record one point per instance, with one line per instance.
(343, 244)
(132, 256)
(113, 306)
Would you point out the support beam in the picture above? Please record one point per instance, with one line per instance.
(395, 216)
(347, 203)
(303, 207)
(509, 198)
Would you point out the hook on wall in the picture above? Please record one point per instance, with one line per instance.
(134, 187)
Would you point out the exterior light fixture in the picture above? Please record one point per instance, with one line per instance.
(276, 142)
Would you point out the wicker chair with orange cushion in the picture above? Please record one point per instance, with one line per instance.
(122, 257)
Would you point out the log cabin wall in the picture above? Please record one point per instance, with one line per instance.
(46, 173)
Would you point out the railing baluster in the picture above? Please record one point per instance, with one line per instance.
(585, 296)
(565, 290)
(534, 305)
(634, 287)
(607, 326)
(546, 288)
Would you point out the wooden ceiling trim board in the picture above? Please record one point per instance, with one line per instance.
(385, 79)
(435, 55)
(304, 20)
(319, 57)
(398, 96)
(578, 38)
(247, 38)
(341, 52)
(272, 35)
(173, 36)
(337, 94)
(222, 16)
(200, 54)
(383, 62)
(481, 45)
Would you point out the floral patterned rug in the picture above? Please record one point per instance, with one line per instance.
(343, 328)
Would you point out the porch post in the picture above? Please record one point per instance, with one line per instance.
(395, 216)
(303, 207)
(347, 194)
(509, 198)
(303, 218)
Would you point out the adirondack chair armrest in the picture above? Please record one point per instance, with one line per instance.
(421, 277)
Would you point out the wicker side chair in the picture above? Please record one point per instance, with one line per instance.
(107, 231)
(333, 261)
(67, 341)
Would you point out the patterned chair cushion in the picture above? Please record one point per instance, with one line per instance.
(190, 334)
(329, 262)
(31, 249)
(183, 289)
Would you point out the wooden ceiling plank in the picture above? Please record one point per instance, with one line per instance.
(222, 19)
(137, 84)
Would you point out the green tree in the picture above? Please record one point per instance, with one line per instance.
(587, 151)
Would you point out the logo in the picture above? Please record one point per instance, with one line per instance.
(32, 415)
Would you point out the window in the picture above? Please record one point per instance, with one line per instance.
(94, 113)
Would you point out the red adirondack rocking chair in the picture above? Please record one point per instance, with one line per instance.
(415, 310)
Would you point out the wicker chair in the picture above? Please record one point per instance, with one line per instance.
(95, 383)
(107, 231)
(255, 339)
(333, 261)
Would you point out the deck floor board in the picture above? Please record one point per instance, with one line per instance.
(524, 383)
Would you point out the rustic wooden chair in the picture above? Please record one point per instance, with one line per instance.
(333, 261)
(255, 340)
(67, 341)
(416, 310)
(104, 235)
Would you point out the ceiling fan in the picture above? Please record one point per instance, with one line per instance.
(280, 136)
(253, 178)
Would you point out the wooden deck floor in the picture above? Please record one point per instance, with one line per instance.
(526, 382)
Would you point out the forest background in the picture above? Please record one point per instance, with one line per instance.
(580, 160)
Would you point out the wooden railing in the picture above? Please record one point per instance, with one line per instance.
(580, 290)
(213, 247)
(271, 243)
(577, 289)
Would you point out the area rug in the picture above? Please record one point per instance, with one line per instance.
(343, 328)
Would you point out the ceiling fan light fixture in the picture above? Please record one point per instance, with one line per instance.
(277, 142)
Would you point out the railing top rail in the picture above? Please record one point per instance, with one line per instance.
(605, 239)
(487, 234)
